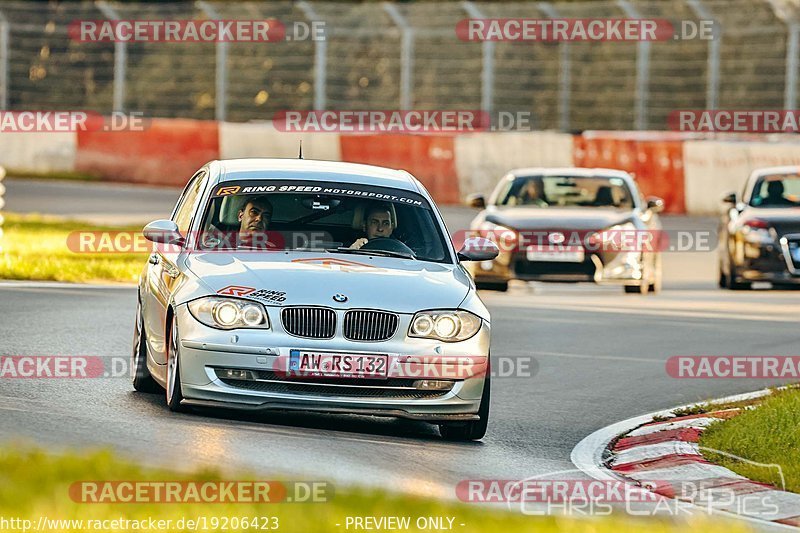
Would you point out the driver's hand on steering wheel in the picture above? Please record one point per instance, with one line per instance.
(359, 243)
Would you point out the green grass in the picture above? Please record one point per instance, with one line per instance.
(35, 248)
(34, 484)
(53, 175)
(707, 407)
(769, 434)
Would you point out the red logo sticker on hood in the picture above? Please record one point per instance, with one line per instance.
(235, 290)
(337, 264)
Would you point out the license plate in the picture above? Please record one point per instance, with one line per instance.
(558, 254)
(338, 365)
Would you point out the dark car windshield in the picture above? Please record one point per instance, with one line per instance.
(777, 190)
(274, 215)
(566, 191)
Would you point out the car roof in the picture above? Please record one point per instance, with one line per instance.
(786, 169)
(312, 170)
(572, 171)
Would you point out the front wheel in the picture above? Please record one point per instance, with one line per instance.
(142, 379)
(734, 285)
(174, 388)
(657, 279)
(643, 288)
(476, 429)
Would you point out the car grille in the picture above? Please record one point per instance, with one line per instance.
(352, 392)
(309, 322)
(369, 325)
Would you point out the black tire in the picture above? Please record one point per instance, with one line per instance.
(142, 379)
(476, 429)
(642, 289)
(644, 286)
(174, 390)
(501, 286)
(723, 278)
(655, 286)
(734, 285)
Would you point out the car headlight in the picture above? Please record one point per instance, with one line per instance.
(613, 233)
(612, 239)
(757, 231)
(229, 313)
(444, 325)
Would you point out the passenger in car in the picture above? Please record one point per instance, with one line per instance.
(604, 197)
(377, 223)
(775, 197)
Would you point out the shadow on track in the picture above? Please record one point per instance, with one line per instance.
(365, 426)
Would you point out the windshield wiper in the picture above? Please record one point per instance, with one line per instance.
(383, 253)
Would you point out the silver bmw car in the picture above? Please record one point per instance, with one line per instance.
(283, 284)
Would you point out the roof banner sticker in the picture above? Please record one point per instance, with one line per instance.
(366, 192)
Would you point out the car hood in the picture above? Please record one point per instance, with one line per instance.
(279, 278)
(540, 218)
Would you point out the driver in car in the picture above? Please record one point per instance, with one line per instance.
(377, 224)
(530, 194)
(254, 219)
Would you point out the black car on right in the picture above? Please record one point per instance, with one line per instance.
(759, 237)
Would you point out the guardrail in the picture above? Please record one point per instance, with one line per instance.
(406, 55)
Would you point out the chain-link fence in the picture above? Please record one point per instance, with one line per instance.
(405, 56)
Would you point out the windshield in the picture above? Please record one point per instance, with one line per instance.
(777, 190)
(566, 191)
(275, 215)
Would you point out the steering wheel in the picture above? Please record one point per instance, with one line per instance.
(388, 244)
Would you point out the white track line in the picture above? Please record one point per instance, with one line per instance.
(654, 451)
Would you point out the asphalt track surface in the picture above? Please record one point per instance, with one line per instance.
(599, 357)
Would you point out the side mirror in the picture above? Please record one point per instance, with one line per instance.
(478, 249)
(163, 231)
(730, 198)
(476, 200)
(655, 204)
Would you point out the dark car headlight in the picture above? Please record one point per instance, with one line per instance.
(611, 239)
(444, 325)
(229, 313)
(757, 231)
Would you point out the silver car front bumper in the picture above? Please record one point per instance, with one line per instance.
(206, 353)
